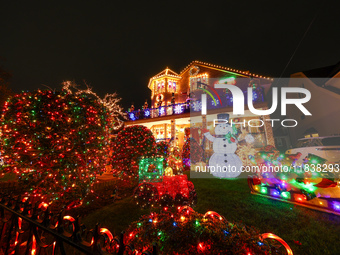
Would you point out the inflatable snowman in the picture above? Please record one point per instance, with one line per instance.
(224, 163)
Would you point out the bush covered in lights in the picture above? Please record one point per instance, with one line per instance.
(130, 144)
(162, 149)
(56, 142)
(189, 232)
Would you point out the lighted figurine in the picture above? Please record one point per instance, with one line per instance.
(145, 106)
(224, 163)
(132, 108)
(168, 171)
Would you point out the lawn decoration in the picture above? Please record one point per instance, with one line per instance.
(314, 184)
(185, 231)
(225, 146)
(160, 187)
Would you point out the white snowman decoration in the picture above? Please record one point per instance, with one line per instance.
(224, 163)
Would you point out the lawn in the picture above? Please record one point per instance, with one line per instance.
(317, 232)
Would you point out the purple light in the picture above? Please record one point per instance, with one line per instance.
(336, 206)
(275, 193)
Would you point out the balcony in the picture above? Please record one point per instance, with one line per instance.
(192, 106)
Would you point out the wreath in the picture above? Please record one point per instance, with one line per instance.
(194, 70)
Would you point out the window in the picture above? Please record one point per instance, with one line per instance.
(171, 86)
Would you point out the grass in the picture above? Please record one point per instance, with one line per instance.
(317, 232)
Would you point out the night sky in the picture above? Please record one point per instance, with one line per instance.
(116, 46)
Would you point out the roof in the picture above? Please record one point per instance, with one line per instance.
(320, 76)
(247, 73)
(165, 73)
(323, 72)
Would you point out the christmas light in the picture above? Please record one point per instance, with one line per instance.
(189, 233)
(56, 142)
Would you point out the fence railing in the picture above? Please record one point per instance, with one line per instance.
(193, 106)
(159, 112)
(33, 229)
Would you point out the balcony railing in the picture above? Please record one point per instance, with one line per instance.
(192, 105)
(159, 112)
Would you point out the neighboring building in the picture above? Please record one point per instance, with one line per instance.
(324, 86)
(282, 139)
(171, 102)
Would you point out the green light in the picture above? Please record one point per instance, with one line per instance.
(227, 80)
(309, 187)
(197, 223)
(264, 190)
(285, 195)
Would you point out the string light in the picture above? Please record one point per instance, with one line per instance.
(56, 142)
(195, 235)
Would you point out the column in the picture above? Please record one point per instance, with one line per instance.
(173, 128)
(204, 121)
(268, 130)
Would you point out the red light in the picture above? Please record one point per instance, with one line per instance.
(301, 198)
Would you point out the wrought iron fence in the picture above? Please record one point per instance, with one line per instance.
(33, 229)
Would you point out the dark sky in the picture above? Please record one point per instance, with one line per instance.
(116, 46)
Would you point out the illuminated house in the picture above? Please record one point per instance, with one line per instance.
(173, 103)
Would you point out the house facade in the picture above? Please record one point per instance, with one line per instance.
(175, 103)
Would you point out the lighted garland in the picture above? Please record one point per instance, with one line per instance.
(56, 142)
(194, 70)
(189, 232)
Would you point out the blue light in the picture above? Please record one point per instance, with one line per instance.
(150, 220)
(213, 103)
(162, 111)
(132, 116)
(226, 232)
(259, 243)
(147, 113)
(255, 96)
(174, 224)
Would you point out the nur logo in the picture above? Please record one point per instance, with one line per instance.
(239, 101)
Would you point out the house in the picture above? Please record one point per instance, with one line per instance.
(324, 105)
(176, 103)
